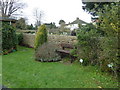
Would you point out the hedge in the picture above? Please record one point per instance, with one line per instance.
(9, 37)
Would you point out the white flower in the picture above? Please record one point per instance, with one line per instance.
(110, 65)
(81, 60)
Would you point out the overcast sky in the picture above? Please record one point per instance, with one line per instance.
(55, 10)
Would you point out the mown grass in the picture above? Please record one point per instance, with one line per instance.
(0, 70)
(20, 70)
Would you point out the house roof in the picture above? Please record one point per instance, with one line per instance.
(7, 19)
(78, 21)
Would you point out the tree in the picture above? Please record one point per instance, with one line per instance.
(52, 25)
(21, 24)
(62, 26)
(107, 53)
(30, 27)
(109, 21)
(38, 16)
(61, 22)
(93, 7)
(9, 7)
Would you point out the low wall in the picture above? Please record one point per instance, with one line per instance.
(28, 39)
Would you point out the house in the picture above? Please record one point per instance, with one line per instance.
(75, 24)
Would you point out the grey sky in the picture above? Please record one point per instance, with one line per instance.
(54, 10)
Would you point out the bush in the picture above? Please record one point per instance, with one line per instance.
(0, 39)
(109, 23)
(88, 45)
(9, 37)
(96, 50)
(47, 52)
(73, 33)
(99, 45)
(20, 38)
(41, 36)
(109, 19)
(109, 54)
(30, 32)
(100, 51)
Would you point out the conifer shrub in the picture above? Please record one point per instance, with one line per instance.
(41, 36)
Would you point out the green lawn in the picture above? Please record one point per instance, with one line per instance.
(20, 70)
(0, 69)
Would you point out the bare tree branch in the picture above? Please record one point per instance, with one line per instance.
(38, 16)
(8, 7)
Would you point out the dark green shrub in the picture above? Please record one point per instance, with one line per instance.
(20, 38)
(0, 41)
(88, 46)
(109, 53)
(100, 45)
(102, 51)
(30, 27)
(41, 36)
(47, 52)
(30, 32)
(9, 37)
(109, 23)
(73, 33)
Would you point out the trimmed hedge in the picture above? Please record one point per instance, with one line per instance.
(9, 37)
